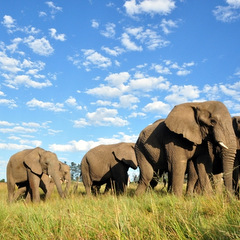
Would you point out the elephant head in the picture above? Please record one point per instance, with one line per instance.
(236, 127)
(206, 121)
(39, 161)
(65, 176)
(125, 153)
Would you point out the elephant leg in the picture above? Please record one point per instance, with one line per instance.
(178, 169)
(236, 174)
(192, 178)
(87, 182)
(19, 192)
(34, 182)
(108, 186)
(217, 182)
(11, 191)
(95, 189)
(146, 173)
(204, 179)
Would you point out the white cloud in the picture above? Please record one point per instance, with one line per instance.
(9, 64)
(84, 146)
(116, 51)
(49, 106)
(53, 34)
(157, 107)
(167, 25)
(128, 44)
(10, 103)
(106, 117)
(12, 146)
(105, 91)
(95, 23)
(71, 101)
(54, 9)
(8, 22)
(147, 84)
(39, 46)
(82, 122)
(228, 13)
(95, 59)
(127, 101)
(5, 123)
(162, 7)
(183, 72)
(109, 32)
(101, 117)
(161, 69)
(234, 3)
(42, 14)
(26, 81)
(117, 79)
(18, 129)
(147, 37)
(182, 94)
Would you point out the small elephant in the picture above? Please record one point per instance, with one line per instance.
(47, 183)
(182, 136)
(108, 164)
(26, 168)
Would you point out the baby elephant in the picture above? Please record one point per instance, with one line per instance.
(108, 164)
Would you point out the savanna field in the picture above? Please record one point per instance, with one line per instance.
(154, 215)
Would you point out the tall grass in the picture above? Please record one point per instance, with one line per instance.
(154, 215)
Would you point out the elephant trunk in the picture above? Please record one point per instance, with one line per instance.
(228, 163)
(56, 178)
(68, 183)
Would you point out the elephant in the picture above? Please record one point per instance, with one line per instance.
(27, 167)
(236, 172)
(47, 183)
(108, 164)
(216, 175)
(184, 135)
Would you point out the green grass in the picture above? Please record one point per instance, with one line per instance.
(155, 215)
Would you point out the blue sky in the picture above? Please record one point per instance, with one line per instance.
(76, 74)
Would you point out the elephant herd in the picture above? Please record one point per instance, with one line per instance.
(197, 138)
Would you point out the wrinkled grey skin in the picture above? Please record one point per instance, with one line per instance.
(236, 172)
(108, 164)
(27, 167)
(47, 183)
(184, 135)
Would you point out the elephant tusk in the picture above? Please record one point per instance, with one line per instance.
(223, 145)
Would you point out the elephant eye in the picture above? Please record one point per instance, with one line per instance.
(213, 122)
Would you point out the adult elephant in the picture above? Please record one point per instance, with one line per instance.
(46, 183)
(236, 172)
(215, 154)
(107, 164)
(26, 168)
(184, 135)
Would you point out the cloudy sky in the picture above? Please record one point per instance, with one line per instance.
(76, 74)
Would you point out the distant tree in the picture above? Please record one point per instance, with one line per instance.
(75, 171)
(135, 178)
(2, 180)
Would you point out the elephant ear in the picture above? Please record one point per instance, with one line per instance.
(32, 160)
(182, 120)
(125, 152)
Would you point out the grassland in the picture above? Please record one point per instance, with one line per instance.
(155, 215)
